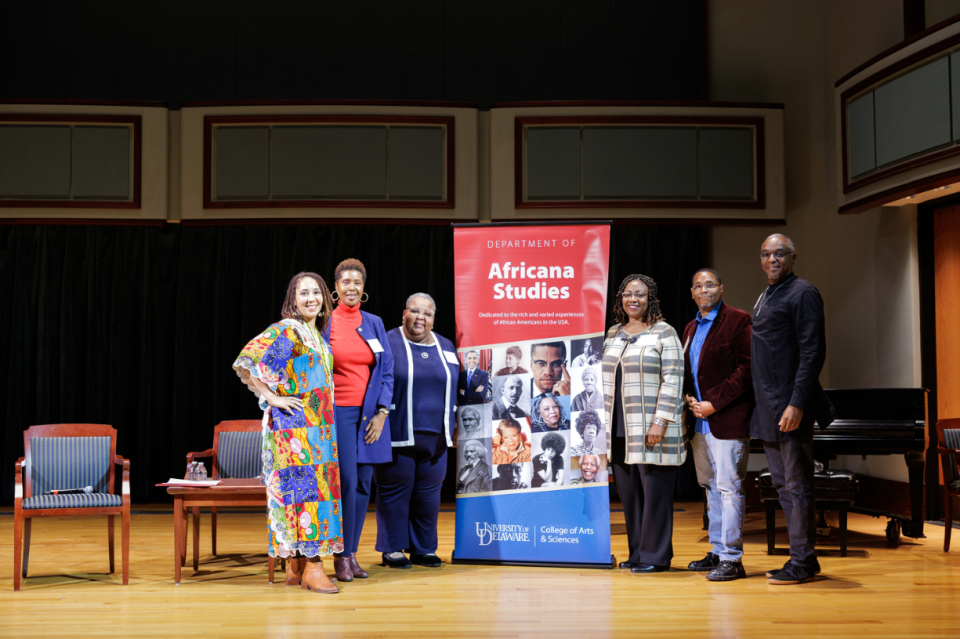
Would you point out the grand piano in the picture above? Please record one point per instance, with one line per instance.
(878, 421)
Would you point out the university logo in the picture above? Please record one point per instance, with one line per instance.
(489, 533)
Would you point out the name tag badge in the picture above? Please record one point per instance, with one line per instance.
(647, 340)
(375, 345)
(451, 358)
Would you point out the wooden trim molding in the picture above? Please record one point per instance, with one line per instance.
(70, 221)
(136, 123)
(111, 103)
(447, 122)
(900, 191)
(384, 103)
(898, 47)
(319, 221)
(878, 79)
(520, 123)
(637, 103)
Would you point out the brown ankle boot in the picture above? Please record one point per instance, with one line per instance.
(293, 571)
(316, 580)
(342, 568)
(358, 572)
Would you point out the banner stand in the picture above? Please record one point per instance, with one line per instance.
(532, 467)
(533, 564)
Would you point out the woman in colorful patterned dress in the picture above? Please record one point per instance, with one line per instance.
(289, 367)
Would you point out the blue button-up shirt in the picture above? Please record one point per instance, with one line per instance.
(704, 324)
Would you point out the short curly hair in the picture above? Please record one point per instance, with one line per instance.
(554, 441)
(589, 418)
(509, 422)
(350, 264)
(653, 314)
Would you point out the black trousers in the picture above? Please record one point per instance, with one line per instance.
(791, 469)
(646, 491)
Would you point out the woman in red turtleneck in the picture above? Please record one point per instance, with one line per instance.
(363, 387)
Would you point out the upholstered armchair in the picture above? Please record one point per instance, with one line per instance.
(62, 456)
(236, 454)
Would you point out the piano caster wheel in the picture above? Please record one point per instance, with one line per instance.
(893, 531)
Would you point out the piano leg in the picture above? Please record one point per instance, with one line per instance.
(914, 527)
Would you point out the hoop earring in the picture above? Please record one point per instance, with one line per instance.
(335, 293)
(364, 301)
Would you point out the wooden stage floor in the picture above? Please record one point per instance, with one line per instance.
(909, 590)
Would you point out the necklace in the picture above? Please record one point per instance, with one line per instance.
(764, 297)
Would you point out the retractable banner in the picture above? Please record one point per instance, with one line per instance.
(531, 427)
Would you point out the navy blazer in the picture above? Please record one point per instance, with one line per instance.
(379, 390)
(401, 432)
(723, 372)
(470, 395)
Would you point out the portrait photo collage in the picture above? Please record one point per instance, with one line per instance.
(540, 424)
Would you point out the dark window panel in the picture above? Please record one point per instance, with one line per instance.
(861, 145)
(415, 163)
(639, 162)
(101, 162)
(553, 163)
(34, 161)
(913, 112)
(329, 162)
(726, 164)
(242, 162)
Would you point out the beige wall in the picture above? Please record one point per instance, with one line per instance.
(865, 265)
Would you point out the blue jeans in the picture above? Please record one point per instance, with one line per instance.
(721, 469)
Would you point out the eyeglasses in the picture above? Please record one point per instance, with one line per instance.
(766, 255)
(424, 314)
(708, 286)
(631, 296)
(556, 364)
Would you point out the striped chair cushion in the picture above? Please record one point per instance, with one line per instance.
(238, 454)
(69, 462)
(95, 500)
(951, 439)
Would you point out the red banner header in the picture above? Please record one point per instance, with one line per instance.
(529, 282)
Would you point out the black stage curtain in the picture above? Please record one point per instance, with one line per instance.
(137, 326)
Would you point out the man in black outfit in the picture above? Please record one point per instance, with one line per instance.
(788, 349)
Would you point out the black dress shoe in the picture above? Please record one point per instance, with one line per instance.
(727, 571)
(627, 564)
(400, 562)
(648, 568)
(709, 562)
(430, 560)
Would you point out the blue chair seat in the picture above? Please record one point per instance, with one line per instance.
(93, 500)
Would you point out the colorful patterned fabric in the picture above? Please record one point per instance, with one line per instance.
(299, 449)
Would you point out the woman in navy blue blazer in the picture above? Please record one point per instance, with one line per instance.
(363, 388)
(421, 428)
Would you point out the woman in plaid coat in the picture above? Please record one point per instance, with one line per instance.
(642, 383)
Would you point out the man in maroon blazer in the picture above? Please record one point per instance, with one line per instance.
(719, 391)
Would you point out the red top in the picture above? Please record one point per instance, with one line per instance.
(352, 356)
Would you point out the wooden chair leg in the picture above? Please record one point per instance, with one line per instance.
(771, 526)
(843, 530)
(110, 541)
(17, 547)
(270, 561)
(213, 530)
(125, 543)
(183, 536)
(948, 522)
(27, 528)
(196, 538)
